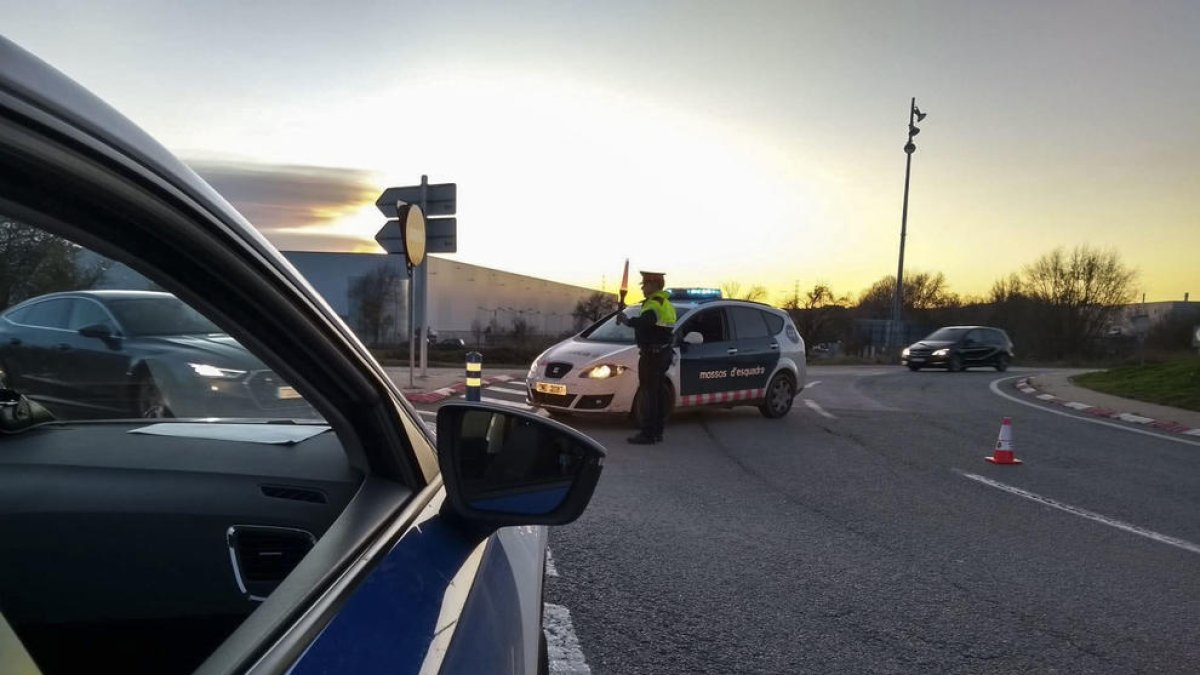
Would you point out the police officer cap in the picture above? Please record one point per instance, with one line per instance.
(654, 277)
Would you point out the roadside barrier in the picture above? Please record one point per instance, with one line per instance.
(474, 376)
(1004, 453)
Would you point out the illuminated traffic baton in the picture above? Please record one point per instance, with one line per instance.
(474, 375)
(624, 285)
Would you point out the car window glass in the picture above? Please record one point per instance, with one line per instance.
(172, 361)
(19, 315)
(709, 323)
(49, 314)
(774, 323)
(749, 323)
(88, 313)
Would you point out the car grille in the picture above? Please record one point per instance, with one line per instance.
(920, 352)
(558, 400)
(594, 402)
(557, 369)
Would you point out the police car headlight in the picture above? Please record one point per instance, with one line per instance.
(904, 352)
(603, 372)
(941, 352)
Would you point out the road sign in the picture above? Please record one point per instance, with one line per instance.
(441, 236)
(441, 199)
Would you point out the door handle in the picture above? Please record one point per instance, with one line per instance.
(64, 347)
(732, 351)
(14, 341)
(775, 345)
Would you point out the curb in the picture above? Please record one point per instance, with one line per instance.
(438, 395)
(1162, 425)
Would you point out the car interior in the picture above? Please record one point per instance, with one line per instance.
(145, 543)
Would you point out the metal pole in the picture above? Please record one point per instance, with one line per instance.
(424, 273)
(898, 302)
(412, 313)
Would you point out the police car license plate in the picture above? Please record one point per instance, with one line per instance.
(287, 393)
(548, 388)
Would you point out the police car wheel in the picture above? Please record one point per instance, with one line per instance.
(780, 393)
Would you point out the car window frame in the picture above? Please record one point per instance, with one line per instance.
(33, 307)
(128, 201)
(733, 310)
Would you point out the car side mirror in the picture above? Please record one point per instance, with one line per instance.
(504, 467)
(693, 338)
(96, 330)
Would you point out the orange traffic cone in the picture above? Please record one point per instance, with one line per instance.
(1004, 446)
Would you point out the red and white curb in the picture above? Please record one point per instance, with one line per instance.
(1163, 425)
(439, 395)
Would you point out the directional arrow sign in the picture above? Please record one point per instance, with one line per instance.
(441, 236)
(441, 199)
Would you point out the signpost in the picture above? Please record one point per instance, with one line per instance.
(438, 234)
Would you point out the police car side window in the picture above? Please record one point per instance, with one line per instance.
(710, 323)
(749, 322)
(774, 323)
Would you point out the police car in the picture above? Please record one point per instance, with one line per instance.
(727, 353)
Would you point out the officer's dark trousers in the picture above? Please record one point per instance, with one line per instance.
(652, 382)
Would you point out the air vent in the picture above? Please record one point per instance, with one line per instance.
(262, 556)
(294, 493)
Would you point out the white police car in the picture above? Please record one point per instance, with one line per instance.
(727, 353)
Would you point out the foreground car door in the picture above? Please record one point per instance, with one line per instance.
(329, 544)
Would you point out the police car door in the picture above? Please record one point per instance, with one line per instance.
(757, 353)
(704, 368)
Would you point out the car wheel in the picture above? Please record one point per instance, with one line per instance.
(1002, 363)
(668, 403)
(148, 398)
(956, 364)
(914, 367)
(780, 393)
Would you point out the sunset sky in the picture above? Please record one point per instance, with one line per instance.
(756, 142)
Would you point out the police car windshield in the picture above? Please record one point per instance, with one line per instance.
(608, 330)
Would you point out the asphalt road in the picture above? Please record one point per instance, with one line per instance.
(864, 532)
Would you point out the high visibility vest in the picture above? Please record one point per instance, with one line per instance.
(664, 311)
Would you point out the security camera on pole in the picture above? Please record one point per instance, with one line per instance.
(437, 234)
(895, 337)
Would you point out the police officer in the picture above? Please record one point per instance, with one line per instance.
(653, 330)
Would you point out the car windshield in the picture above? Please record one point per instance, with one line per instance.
(947, 334)
(609, 331)
(160, 316)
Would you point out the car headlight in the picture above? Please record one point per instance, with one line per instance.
(904, 352)
(603, 371)
(205, 370)
(941, 352)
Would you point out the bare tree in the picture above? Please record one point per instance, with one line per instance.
(817, 311)
(594, 307)
(34, 262)
(1077, 294)
(922, 291)
(373, 297)
(733, 290)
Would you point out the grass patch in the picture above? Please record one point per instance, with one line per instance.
(1175, 383)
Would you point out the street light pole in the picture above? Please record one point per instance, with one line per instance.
(914, 115)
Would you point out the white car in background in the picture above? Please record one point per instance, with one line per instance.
(727, 353)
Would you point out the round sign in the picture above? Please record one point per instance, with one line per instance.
(412, 229)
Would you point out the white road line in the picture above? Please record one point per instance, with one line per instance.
(1136, 419)
(551, 570)
(507, 390)
(565, 655)
(505, 402)
(812, 384)
(818, 409)
(995, 387)
(1083, 513)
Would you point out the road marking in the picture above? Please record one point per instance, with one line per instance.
(995, 387)
(551, 570)
(507, 390)
(818, 409)
(1084, 513)
(1136, 419)
(565, 655)
(812, 384)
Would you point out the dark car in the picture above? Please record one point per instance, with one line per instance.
(960, 347)
(259, 542)
(118, 353)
